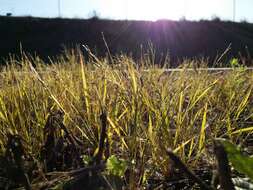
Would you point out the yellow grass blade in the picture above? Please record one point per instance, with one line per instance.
(150, 130)
(248, 129)
(202, 131)
(116, 129)
(243, 103)
(85, 88)
(182, 145)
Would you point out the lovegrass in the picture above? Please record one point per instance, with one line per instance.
(148, 109)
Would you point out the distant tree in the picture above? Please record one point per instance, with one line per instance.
(244, 21)
(8, 14)
(202, 20)
(183, 18)
(215, 18)
(93, 15)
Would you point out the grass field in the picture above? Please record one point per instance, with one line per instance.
(126, 113)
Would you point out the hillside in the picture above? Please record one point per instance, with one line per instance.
(181, 39)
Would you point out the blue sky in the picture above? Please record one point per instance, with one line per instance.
(131, 9)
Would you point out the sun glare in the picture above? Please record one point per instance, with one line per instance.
(144, 9)
(155, 9)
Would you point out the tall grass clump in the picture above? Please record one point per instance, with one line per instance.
(149, 109)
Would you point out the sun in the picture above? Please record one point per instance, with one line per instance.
(143, 9)
(155, 9)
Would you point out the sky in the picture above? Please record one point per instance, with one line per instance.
(131, 9)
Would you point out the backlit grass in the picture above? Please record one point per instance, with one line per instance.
(148, 109)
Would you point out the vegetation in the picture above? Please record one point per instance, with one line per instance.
(191, 39)
(82, 113)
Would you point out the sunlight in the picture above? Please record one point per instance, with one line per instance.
(154, 10)
(143, 9)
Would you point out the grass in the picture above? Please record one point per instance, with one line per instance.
(148, 109)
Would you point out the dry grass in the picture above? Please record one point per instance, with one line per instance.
(147, 110)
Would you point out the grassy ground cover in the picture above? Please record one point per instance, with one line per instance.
(145, 109)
